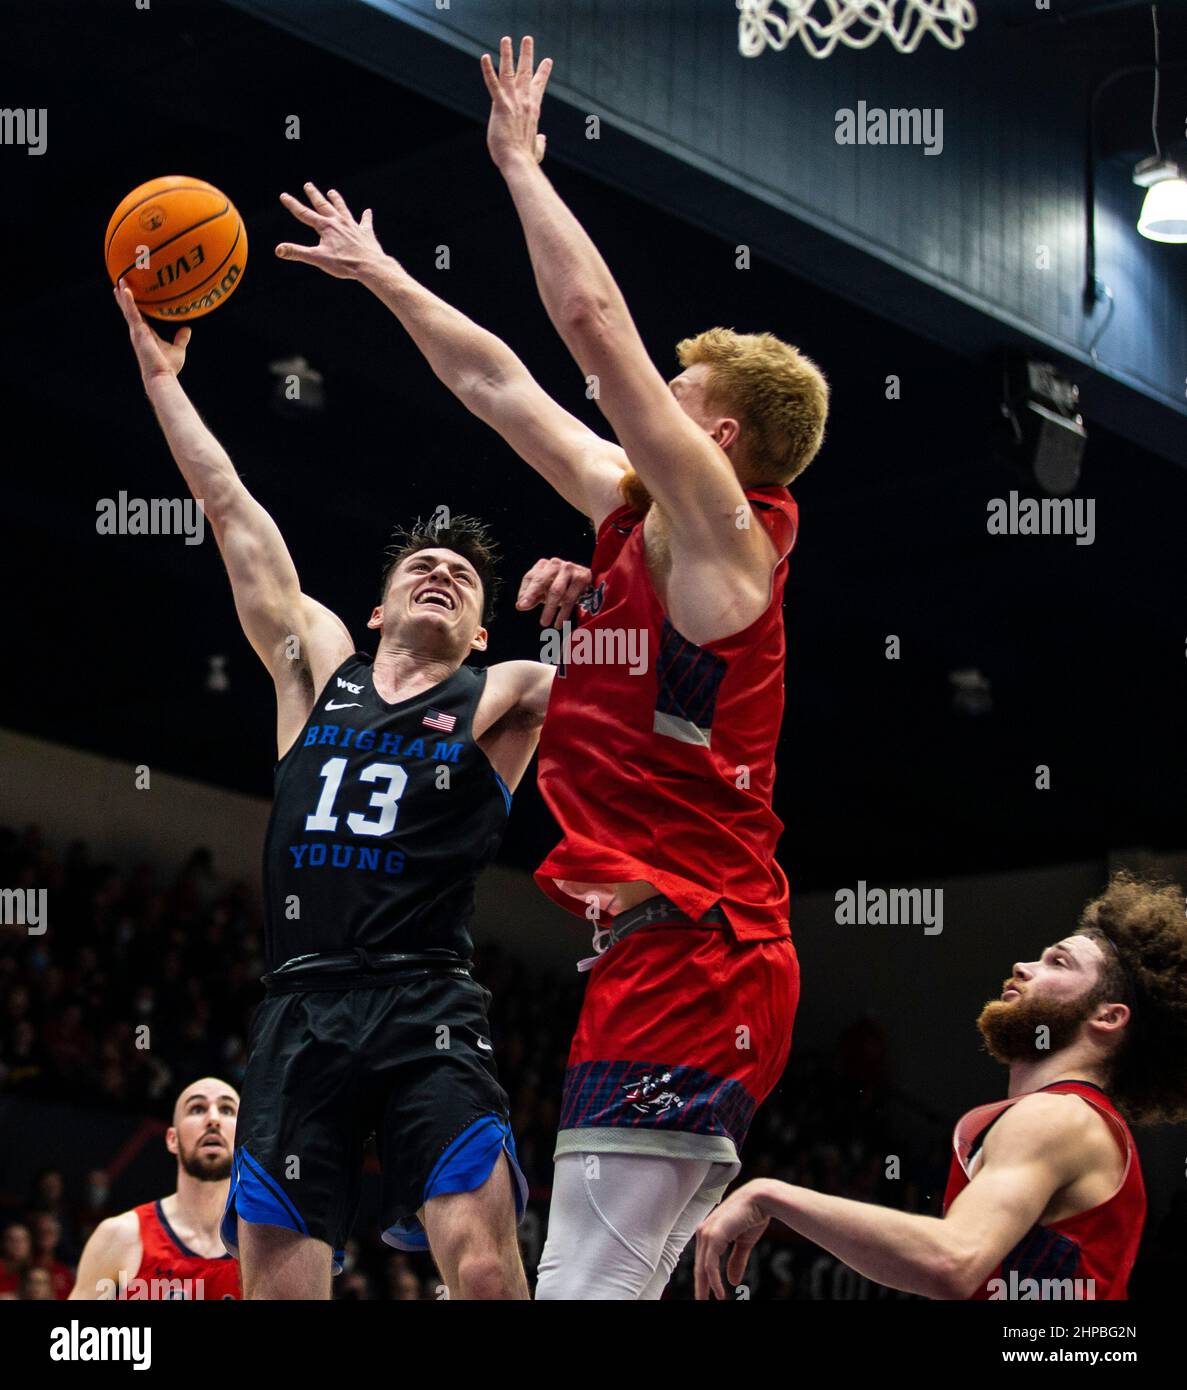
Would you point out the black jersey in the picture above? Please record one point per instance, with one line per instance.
(383, 817)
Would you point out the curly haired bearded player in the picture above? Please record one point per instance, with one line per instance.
(1045, 1196)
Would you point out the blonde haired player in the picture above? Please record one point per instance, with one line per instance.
(661, 780)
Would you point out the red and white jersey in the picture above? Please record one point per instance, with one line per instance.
(1099, 1244)
(666, 775)
(168, 1270)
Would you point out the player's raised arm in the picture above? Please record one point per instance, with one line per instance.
(1040, 1145)
(479, 368)
(268, 598)
(683, 467)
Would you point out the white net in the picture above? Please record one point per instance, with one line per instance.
(822, 24)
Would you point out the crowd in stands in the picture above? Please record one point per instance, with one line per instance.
(181, 956)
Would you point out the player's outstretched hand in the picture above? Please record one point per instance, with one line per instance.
(515, 97)
(737, 1222)
(156, 356)
(346, 247)
(557, 584)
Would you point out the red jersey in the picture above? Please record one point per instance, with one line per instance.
(667, 775)
(1099, 1244)
(169, 1270)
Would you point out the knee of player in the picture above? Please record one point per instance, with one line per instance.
(483, 1273)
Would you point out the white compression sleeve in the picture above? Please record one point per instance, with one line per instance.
(618, 1222)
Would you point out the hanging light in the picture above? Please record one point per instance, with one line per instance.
(1164, 208)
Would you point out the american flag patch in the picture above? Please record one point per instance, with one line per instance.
(443, 723)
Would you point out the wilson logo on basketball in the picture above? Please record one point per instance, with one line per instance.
(152, 218)
(205, 301)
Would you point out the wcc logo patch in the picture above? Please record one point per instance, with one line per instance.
(648, 1096)
(591, 601)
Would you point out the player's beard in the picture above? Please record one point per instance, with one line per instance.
(1010, 1028)
(213, 1165)
(633, 492)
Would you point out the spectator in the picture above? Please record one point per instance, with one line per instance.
(95, 1205)
(403, 1285)
(49, 1195)
(22, 1069)
(16, 1251)
(38, 1285)
(47, 1233)
(352, 1287)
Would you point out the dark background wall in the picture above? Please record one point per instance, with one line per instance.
(987, 237)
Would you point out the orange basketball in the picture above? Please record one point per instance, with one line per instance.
(180, 246)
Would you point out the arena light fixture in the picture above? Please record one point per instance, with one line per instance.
(1041, 406)
(1164, 208)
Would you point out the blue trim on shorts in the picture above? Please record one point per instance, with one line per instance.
(257, 1198)
(464, 1166)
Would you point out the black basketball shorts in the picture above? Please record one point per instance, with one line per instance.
(409, 1061)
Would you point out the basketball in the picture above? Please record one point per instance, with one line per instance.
(180, 245)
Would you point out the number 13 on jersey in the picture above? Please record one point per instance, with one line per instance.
(385, 802)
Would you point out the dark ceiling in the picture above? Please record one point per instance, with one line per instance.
(110, 639)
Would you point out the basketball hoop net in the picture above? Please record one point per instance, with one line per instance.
(822, 24)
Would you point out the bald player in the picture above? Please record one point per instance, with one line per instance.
(1045, 1196)
(171, 1248)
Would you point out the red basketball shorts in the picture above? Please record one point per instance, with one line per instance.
(683, 1033)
